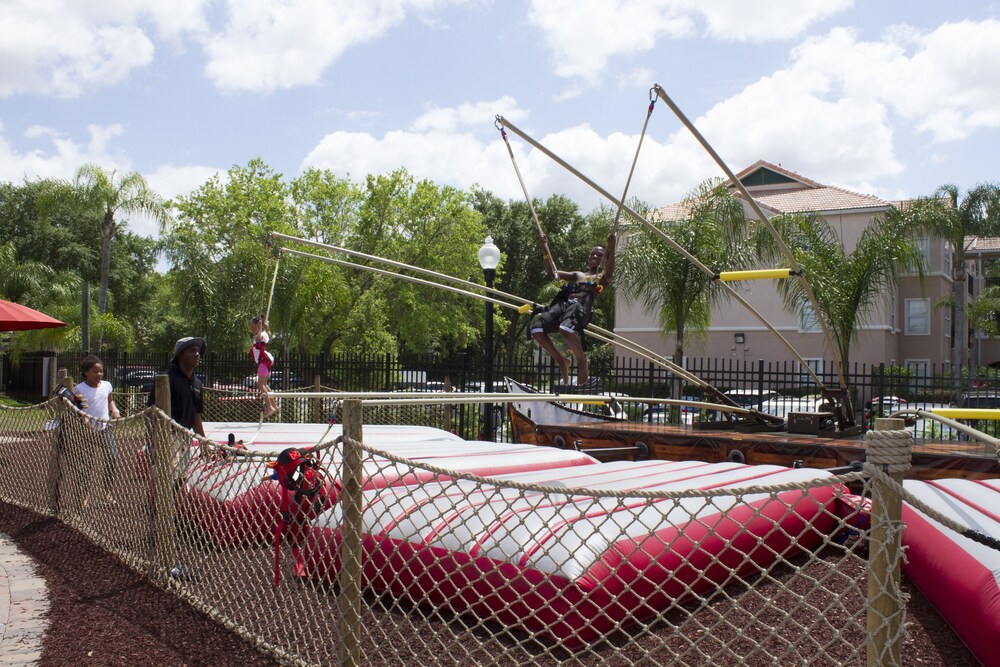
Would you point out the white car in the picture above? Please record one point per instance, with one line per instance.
(781, 406)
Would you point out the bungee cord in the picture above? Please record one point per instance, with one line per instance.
(506, 302)
(524, 189)
(526, 306)
(670, 242)
(796, 270)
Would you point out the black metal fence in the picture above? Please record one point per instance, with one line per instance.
(898, 386)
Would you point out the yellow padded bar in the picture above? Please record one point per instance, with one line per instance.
(759, 274)
(967, 413)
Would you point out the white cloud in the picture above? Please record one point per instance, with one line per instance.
(270, 45)
(170, 181)
(59, 156)
(474, 114)
(944, 81)
(830, 114)
(67, 48)
(454, 146)
(584, 35)
(739, 20)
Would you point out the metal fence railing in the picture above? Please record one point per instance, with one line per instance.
(876, 390)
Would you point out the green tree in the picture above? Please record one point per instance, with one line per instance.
(849, 287)
(521, 272)
(221, 263)
(953, 218)
(22, 281)
(113, 195)
(665, 282)
(984, 311)
(430, 226)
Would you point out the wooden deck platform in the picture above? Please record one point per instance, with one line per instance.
(931, 460)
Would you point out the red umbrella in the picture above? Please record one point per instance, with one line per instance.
(15, 317)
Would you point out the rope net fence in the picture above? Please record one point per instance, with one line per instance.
(534, 556)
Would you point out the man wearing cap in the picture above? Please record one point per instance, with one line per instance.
(185, 389)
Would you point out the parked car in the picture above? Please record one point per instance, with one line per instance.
(660, 413)
(751, 398)
(140, 379)
(883, 405)
(989, 398)
(276, 381)
(782, 406)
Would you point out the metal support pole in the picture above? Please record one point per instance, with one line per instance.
(489, 274)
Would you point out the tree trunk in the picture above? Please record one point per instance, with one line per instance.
(677, 384)
(107, 232)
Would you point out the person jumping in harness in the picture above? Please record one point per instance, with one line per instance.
(263, 360)
(571, 309)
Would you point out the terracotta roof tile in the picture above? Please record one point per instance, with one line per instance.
(819, 199)
(982, 244)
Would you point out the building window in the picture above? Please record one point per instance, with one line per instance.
(918, 320)
(924, 245)
(947, 259)
(807, 319)
(893, 307)
(947, 320)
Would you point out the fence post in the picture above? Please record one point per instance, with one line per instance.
(317, 403)
(163, 481)
(56, 456)
(889, 448)
(760, 385)
(349, 597)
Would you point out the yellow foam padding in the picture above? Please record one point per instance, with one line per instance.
(755, 275)
(966, 413)
(526, 308)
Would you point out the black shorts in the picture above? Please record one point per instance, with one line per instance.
(569, 315)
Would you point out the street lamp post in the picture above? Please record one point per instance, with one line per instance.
(489, 258)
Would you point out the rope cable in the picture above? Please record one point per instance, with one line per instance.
(674, 245)
(601, 334)
(796, 269)
(524, 188)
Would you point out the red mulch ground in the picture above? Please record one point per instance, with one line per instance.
(102, 613)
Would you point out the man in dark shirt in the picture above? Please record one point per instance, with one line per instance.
(185, 389)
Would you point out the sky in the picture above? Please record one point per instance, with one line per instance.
(892, 98)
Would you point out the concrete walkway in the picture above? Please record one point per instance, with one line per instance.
(23, 605)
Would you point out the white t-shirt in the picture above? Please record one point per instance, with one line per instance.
(265, 338)
(97, 399)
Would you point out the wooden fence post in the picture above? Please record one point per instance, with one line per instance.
(163, 480)
(889, 446)
(349, 599)
(59, 441)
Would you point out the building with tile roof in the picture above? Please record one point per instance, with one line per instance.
(913, 326)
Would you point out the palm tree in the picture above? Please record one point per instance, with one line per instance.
(21, 280)
(849, 287)
(712, 229)
(948, 216)
(128, 193)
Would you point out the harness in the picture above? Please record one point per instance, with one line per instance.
(262, 356)
(301, 479)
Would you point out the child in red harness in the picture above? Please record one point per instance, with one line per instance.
(263, 360)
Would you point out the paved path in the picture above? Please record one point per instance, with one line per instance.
(23, 605)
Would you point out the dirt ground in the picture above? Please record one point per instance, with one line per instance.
(102, 613)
